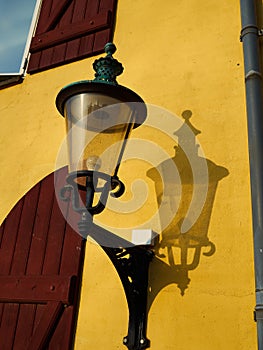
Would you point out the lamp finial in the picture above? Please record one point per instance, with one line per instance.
(107, 68)
(110, 49)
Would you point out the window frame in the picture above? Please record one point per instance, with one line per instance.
(11, 78)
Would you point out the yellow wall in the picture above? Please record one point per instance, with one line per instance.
(179, 55)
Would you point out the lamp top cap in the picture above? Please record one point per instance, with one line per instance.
(107, 68)
(110, 48)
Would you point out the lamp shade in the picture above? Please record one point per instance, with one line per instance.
(99, 119)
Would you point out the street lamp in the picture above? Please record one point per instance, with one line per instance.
(100, 115)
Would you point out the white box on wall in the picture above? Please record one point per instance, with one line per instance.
(143, 237)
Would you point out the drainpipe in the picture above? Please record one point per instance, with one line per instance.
(253, 81)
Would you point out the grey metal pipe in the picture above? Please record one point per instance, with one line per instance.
(254, 101)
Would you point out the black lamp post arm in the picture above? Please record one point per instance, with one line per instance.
(132, 265)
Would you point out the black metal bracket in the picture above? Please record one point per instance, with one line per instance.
(130, 261)
(132, 265)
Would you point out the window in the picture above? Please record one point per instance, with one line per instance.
(69, 30)
(17, 21)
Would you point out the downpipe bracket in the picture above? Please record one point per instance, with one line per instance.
(253, 74)
(258, 313)
(250, 29)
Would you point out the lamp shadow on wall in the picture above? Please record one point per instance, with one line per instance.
(185, 187)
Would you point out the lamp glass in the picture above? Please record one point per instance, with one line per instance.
(97, 127)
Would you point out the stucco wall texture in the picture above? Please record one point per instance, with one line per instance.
(178, 56)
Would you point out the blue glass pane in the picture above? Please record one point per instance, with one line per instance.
(15, 21)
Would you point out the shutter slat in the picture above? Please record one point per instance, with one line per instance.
(59, 50)
(2, 227)
(39, 238)
(78, 16)
(49, 318)
(36, 229)
(25, 317)
(56, 14)
(46, 9)
(86, 45)
(105, 4)
(25, 324)
(9, 318)
(20, 257)
(63, 332)
(38, 244)
(9, 312)
(67, 33)
(9, 238)
(55, 241)
(100, 39)
(46, 57)
(36, 289)
(34, 61)
(56, 234)
(70, 31)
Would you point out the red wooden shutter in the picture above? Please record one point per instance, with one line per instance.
(69, 30)
(41, 259)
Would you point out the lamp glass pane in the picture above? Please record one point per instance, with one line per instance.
(97, 127)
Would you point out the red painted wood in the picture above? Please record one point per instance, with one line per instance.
(55, 241)
(24, 234)
(19, 261)
(46, 10)
(69, 32)
(100, 39)
(105, 4)
(9, 238)
(41, 226)
(8, 326)
(27, 312)
(59, 50)
(35, 245)
(86, 46)
(24, 326)
(57, 10)
(46, 58)
(9, 312)
(63, 331)
(1, 233)
(67, 266)
(34, 62)
(66, 31)
(36, 289)
(44, 329)
(73, 46)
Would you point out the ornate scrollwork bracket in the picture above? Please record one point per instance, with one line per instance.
(112, 185)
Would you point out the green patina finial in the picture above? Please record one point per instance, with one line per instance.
(110, 49)
(107, 68)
